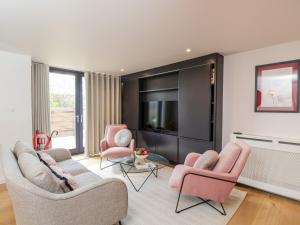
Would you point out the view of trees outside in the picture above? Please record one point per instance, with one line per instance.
(62, 105)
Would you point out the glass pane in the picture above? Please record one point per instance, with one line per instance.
(62, 106)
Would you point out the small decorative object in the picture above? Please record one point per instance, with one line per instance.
(141, 154)
(42, 141)
(277, 87)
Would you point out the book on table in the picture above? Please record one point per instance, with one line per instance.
(148, 165)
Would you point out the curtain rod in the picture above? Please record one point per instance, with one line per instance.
(75, 71)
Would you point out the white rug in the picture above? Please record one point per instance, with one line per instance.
(155, 203)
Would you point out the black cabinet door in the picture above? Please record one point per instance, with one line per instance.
(162, 144)
(130, 103)
(147, 140)
(194, 102)
(167, 147)
(187, 145)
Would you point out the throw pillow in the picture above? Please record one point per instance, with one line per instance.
(207, 160)
(68, 182)
(62, 177)
(37, 173)
(47, 158)
(123, 138)
(227, 158)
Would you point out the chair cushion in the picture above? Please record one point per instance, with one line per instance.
(87, 178)
(21, 147)
(110, 133)
(47, 158)
(123, 138)
(72, 167)
(228, 157)
(37, 173)
(116, 152)
(207, 160)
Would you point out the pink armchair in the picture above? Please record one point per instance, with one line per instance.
(108, 147)
(211, 185)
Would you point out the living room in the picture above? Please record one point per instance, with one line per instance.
(149, 112)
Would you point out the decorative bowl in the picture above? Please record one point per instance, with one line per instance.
(141, 153)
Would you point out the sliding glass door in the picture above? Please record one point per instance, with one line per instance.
(66, 106)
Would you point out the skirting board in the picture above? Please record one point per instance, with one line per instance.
(270, 188)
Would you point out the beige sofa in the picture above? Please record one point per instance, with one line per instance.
(96, 202)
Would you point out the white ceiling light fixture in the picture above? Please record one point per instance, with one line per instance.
(188, 50)
(122, 70)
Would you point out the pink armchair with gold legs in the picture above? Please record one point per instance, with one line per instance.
(210, 185)
(110, 149)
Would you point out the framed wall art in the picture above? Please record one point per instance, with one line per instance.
(277, 87)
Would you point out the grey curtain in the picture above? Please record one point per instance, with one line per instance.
(40, 97)
(103, 106)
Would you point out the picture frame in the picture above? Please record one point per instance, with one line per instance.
(277, 87)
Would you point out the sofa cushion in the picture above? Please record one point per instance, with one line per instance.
(123, 138)
(87, 178)
(207, 160)
(37, 173)
(227, 158)
(21, 147)
(72, 167)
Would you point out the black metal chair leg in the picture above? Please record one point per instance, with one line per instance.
(179, 211)
(113, 163)
(120, 223)
(223, 212)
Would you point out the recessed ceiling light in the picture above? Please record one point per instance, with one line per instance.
(122, 70)
(188, 50)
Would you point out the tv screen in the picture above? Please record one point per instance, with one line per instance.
(160, 115)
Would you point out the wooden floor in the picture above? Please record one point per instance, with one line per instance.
(259, 208)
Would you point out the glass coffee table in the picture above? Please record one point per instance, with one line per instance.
(153, 163)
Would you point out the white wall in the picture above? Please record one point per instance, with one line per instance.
(15, 99)
(238, 96)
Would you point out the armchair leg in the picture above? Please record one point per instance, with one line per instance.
(222, 212)
(113, 163)
(179, 211)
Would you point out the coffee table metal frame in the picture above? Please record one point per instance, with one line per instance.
(150, 170)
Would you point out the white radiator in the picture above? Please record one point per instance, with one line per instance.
(273, 165)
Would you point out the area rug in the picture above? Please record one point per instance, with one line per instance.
(155, 203)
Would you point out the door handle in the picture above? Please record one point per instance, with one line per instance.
(77, 118)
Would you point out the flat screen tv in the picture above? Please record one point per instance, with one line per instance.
(160, 115)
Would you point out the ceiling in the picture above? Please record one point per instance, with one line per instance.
(107, 35)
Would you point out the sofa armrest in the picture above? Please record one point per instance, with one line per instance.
(59, 154)
(103, 202)
(191, 158)
(103, 145)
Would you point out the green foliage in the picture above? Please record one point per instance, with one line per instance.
(62, 101)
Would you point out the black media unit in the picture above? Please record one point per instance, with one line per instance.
(194, 88)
